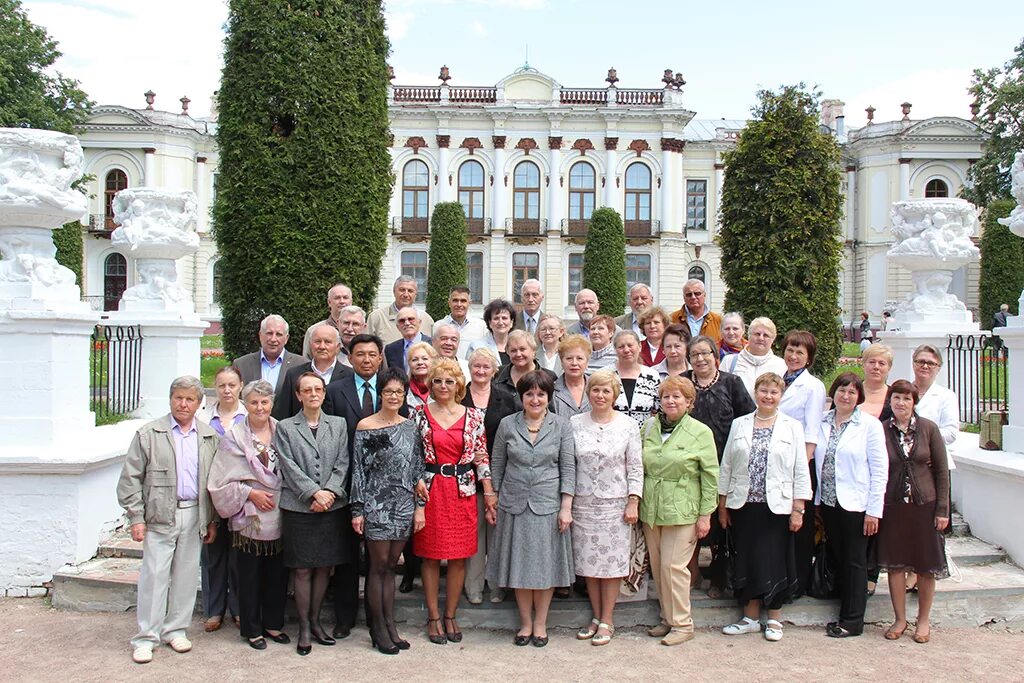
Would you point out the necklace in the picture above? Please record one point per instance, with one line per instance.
(705, 387)
(759, 416)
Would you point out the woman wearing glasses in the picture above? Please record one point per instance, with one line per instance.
(455, 452)
(937, 403)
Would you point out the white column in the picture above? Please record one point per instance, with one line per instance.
(719, 186)
(904, 179)
(611, 193)
(149, 166)
(1013, 338)
(444, 190)
(499, 193)
(668, 191)
(203, 195)
(556, 193)
(851, 202)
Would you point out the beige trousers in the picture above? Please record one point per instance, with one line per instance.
(168, 580)
(476, 566)
(670, 549)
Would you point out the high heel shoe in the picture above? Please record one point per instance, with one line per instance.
(303, 635)
(436, 638)
(401, 643)
(383, 647)
(322, 638)
(455, 635)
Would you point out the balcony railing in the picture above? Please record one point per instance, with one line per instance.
(100, 224)
(473, 95)
(575, 227)
(526, 227)
(417, 93)
(648, 228)
(478, 226)
(640, 97)
(594, 96)
(410, 226)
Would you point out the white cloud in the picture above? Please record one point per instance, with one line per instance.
(398, 24)
(933, 92)
(479, 28)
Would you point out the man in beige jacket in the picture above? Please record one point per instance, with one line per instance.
(163, 492)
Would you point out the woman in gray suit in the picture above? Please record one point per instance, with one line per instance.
(313, 450)
(533, 473)
(570, 397)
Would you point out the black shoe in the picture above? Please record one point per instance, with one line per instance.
(303, 649)
(279, 638)
(385, 648)
(406, 585)
(563, 593)
(396, 639)
(455, 635)
(322, 638)
(521, 641)
(258, 643)
(341, 632)
(539, 641)
(436, 638)
(838, 631)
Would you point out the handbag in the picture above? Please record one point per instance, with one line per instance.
(822, 584)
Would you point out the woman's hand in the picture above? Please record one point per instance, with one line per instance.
(419, 520)
(870, 525)
(703, 526)
(358, 523)
(796, 521)
(941, 523)
(263, 500)
(322, 501)
(491, 516)
(564, 519)
(491, 501)
(632, 514)
(422, 492)
(723, 516)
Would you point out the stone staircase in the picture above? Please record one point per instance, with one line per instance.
(991, 592)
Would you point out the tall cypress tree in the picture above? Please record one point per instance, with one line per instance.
(446, 266)
(305, 176)
(604, 260)
(1002, 264)
(780, 235)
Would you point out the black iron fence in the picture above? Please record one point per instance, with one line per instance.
(976, 372)
(115, 370)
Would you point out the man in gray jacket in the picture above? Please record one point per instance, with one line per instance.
(163, 492)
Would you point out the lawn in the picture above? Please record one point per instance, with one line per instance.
(209, 367)
(211, 341)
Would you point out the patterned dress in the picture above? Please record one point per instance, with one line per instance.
(386, 465)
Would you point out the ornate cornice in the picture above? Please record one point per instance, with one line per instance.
(415, 142)
(639, 146)
(672, 145)
(583, 144)
(526, 144)
(472, 144)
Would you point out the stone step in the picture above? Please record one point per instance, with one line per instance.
(959, 525)
(992, 590)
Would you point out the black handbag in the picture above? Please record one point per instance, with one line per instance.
(823, 578)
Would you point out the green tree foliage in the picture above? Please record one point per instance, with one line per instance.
(68, 240)
(32, 95)
(305, 174)
(446, 266)
(1000, 94)
(604, 260)
(781, 206)
(1002, 263)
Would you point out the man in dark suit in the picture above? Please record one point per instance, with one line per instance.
(272, 362)
(396, 353)
(354, 397)
(640, 299)
(326, 344)
(532, 294)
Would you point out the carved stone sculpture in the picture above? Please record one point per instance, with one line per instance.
(157, 228)
(37, 168)
(933, 240)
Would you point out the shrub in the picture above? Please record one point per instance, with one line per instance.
(1002, 263)
(604, 260)
(446, 264)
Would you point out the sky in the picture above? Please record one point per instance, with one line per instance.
(868, 53)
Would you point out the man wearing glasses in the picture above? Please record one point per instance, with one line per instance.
(696, 314)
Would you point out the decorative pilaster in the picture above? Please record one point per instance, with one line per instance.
(904, 179)
(149, 166)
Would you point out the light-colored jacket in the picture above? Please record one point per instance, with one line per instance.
(148, 486)
(862, 464)
(533, 474)
(609, 460)
(310, 464)
(804, 401)
(787, 477)
(680, 473)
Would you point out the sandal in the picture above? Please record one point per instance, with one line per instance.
(436, 638)
(892, 634)
(603, 638)
(455, 635)
(773, 631)
(745, 625)
(589, 631)
(919, 637)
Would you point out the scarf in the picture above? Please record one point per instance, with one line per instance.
(756, 361)
(790, 377)
(724, 349)
(419, 389)
(666, 425)
(237, 468)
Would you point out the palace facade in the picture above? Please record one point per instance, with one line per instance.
(530, 159)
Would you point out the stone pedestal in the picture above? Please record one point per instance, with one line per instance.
(1013, 337)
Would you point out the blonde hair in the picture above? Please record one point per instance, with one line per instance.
(575, 342)
(486, 354)
(522, 336)
(880, 350)
(770, 378)
(604, 378)
(764, 322)
(446, 366)
(416, 348)
(677, 383)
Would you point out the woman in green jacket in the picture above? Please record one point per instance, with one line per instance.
(680, 493)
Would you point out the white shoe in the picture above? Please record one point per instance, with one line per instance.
(772, 631)
(143, 654)
(181, 644)
(745, 625)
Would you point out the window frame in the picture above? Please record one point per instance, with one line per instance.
(933, 195)
(692, 222)
(476, 198)
(476, 293)
(412, 269)
(415, 222)
(580, 195)
(525, 223)
(110, 301)
(109, 193)
(636, 224)
(527, 271)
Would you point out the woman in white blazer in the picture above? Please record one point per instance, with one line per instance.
(852, 467)
(763, 489)
(804, 401)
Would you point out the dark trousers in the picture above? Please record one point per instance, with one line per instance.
(848, 549)
(262, 590)
(803, 543)
(345, 582)
(219, 575)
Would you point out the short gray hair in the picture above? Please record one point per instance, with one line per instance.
(273, 318)
(261, 387)
(349, 310)
(638, 286)
(734, 314)
(441, 325)
(624, 333)
(187, 383)
(405, 278)
(332, 328)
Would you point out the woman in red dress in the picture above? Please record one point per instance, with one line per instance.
(455, 452)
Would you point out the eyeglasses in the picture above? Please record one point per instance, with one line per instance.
(701, 354)
(440, 381)
(926, 364)
(392, 392)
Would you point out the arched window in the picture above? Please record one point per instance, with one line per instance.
(936, 188)
(115, 182)
(415, 180)
(115, 280)
(471, 195)
(526, 199)
(582, 193)
(697, 273)
(638, 200)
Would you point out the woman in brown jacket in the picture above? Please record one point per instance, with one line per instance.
(916, 509)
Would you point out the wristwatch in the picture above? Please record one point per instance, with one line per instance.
(799, 511)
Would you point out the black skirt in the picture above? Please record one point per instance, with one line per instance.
(908, 540)
(765, 562)
(316, 539)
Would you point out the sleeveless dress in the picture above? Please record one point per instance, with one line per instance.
(451, 520)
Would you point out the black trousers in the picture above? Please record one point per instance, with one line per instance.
(803, 542)
(345, 582)
(848, 549)
(262, 591)
(219, 575)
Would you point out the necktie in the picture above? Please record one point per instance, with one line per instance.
(367, 401)
(530, 325)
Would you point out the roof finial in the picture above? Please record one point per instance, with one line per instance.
(526, 59)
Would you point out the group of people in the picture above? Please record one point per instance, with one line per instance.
(529, 456)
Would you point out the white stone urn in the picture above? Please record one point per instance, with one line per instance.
(157, 228)
(1015, 222)
(933, 240)
(37, 168)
